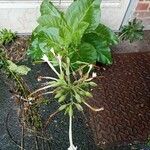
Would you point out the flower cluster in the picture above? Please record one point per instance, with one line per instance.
(70, 88)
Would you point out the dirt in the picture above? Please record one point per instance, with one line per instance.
(5, 105)
(16, 50)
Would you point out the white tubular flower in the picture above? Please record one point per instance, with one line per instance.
(59, 58)
(90, 68)
(39, 79)
(41, 89)
(45, 58)
(50, 78)
(94, 75)
(30, 103)
(52, 51)
(89, 79)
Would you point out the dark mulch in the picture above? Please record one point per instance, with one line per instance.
(124, 92)
(16, 50)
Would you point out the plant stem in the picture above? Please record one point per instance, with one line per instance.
(16, 78)
(72, 147)
(49, 118)
(94, 109)
(40, 89)
(70, 130)
(121, 35)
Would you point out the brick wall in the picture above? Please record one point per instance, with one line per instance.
(143, 12)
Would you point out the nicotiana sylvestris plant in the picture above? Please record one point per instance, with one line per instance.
(70, 88)
(76, 33)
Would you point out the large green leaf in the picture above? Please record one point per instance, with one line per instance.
(51, 36)
(83, 10)
(93, 16)
(52, 32)
(77, 36)
(54, 21)
(106, 34)
(49, 20)
(102, 38)
(52, 17)
(43, 41)
(104, 55)
(101, 46)
(34, 50)
(47, 8)
(84, 53)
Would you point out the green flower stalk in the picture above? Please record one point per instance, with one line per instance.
(72, 147)
(45, 58)
(60, 63)
(70, 88)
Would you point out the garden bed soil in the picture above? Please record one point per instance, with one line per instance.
(16, 50)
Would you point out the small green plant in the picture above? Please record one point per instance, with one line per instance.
(8, 66)
(6, 36)
(30, 111)
(77, 33)
(133, 31)
(72, 41)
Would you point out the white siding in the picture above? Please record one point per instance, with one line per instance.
(21, 15)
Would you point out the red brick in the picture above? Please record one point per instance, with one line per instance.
(141, 15)
(142, 6)
(146, 22)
